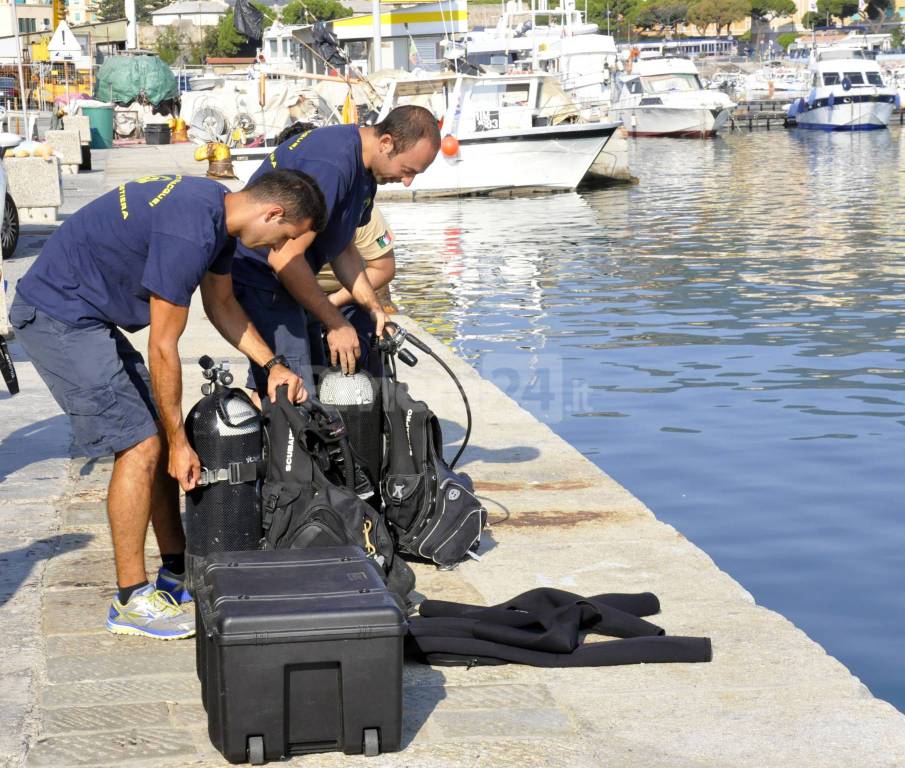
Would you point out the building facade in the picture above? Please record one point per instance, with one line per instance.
(32, 16)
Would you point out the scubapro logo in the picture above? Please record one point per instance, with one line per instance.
(289, 448)
(453, 494)
(398, 490)
(408, 429)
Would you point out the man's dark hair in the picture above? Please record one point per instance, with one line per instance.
(296, 192)
(294, 130)
(407, 125)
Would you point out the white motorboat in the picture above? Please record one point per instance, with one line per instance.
(512, 132)
(663, 96)
(585, 64)
(501, 133)
(775, 78)
(847, 93)
(523, 31)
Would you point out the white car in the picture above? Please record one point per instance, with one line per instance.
(9, 236)
(9, 231)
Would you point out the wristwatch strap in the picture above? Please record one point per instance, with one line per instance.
(275, 360)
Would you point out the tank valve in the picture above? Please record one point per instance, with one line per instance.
(216, 375)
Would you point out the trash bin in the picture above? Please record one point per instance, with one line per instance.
(157, 133)
(101, 120)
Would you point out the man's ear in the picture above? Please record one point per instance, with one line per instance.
(274, 212)
(385, 142)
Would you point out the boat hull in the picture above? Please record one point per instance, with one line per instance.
(611, 163)
(685, 122)
(548, 159)
(861, 115)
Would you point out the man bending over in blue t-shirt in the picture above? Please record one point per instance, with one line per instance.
(130, 259)
(276, 287)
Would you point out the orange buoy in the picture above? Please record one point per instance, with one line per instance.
(449, 146)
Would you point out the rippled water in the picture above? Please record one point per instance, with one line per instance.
(726, 339)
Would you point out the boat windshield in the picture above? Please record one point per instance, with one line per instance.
(671, 82)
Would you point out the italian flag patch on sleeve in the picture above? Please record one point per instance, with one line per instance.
(385, 239)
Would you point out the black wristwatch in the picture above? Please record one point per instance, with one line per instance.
(276, 360)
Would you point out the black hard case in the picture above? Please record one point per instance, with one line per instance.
(300, 647)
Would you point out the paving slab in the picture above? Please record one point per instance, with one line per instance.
(112, 748)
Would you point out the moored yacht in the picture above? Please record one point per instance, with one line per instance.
(500, 133)
(847, 93)
(663, 96)
(515, 132)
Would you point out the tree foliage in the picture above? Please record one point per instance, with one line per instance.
(170, 44)
(767, 10)
(719, 13)
(306, 11)
(660, 15)
(896, 36)
(811, 20)
(837, 9)
(108, 10)
(221, 40)
(786, 39)
(621, 14)
(224, 39)
(877, 10)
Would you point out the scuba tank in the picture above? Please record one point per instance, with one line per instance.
(357, 399)
(223, 512)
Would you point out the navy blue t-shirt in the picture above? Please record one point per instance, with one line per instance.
(332, 156)
(157, 234)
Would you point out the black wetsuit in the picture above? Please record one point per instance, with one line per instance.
(545, 628)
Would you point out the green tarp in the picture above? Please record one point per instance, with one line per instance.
(123, 79)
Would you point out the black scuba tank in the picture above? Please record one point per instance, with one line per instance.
(223, 513)
(357, 398)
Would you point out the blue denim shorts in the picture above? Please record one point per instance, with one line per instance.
(95, 375)
(283, 324)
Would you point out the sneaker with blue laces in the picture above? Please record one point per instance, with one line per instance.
(173, 584)
(151, 613)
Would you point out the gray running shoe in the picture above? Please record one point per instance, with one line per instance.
(152, 613)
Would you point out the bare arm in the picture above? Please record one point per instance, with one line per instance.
(351, 273)
(230, 320)
(167, 326)
(293, 271)
(379, 273)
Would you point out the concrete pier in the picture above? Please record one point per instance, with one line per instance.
(73, 694)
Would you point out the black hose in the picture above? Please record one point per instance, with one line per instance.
(418, 344)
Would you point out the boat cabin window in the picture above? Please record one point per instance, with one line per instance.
(634, 86)
(515, 95)
(831, 78)
(856, 78)
(672, 82)
(874, 78)
(496, 95)
(490, 106)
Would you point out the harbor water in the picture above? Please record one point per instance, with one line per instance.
(726, 339)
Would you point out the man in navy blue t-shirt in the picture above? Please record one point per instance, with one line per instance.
(130, 259)
(277, 287)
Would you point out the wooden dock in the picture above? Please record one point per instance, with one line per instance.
(767, 114)
(760, 114)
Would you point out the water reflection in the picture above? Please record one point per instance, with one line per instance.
(726, 339)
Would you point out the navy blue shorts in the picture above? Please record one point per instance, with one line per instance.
(95, 375)
(283, 324)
